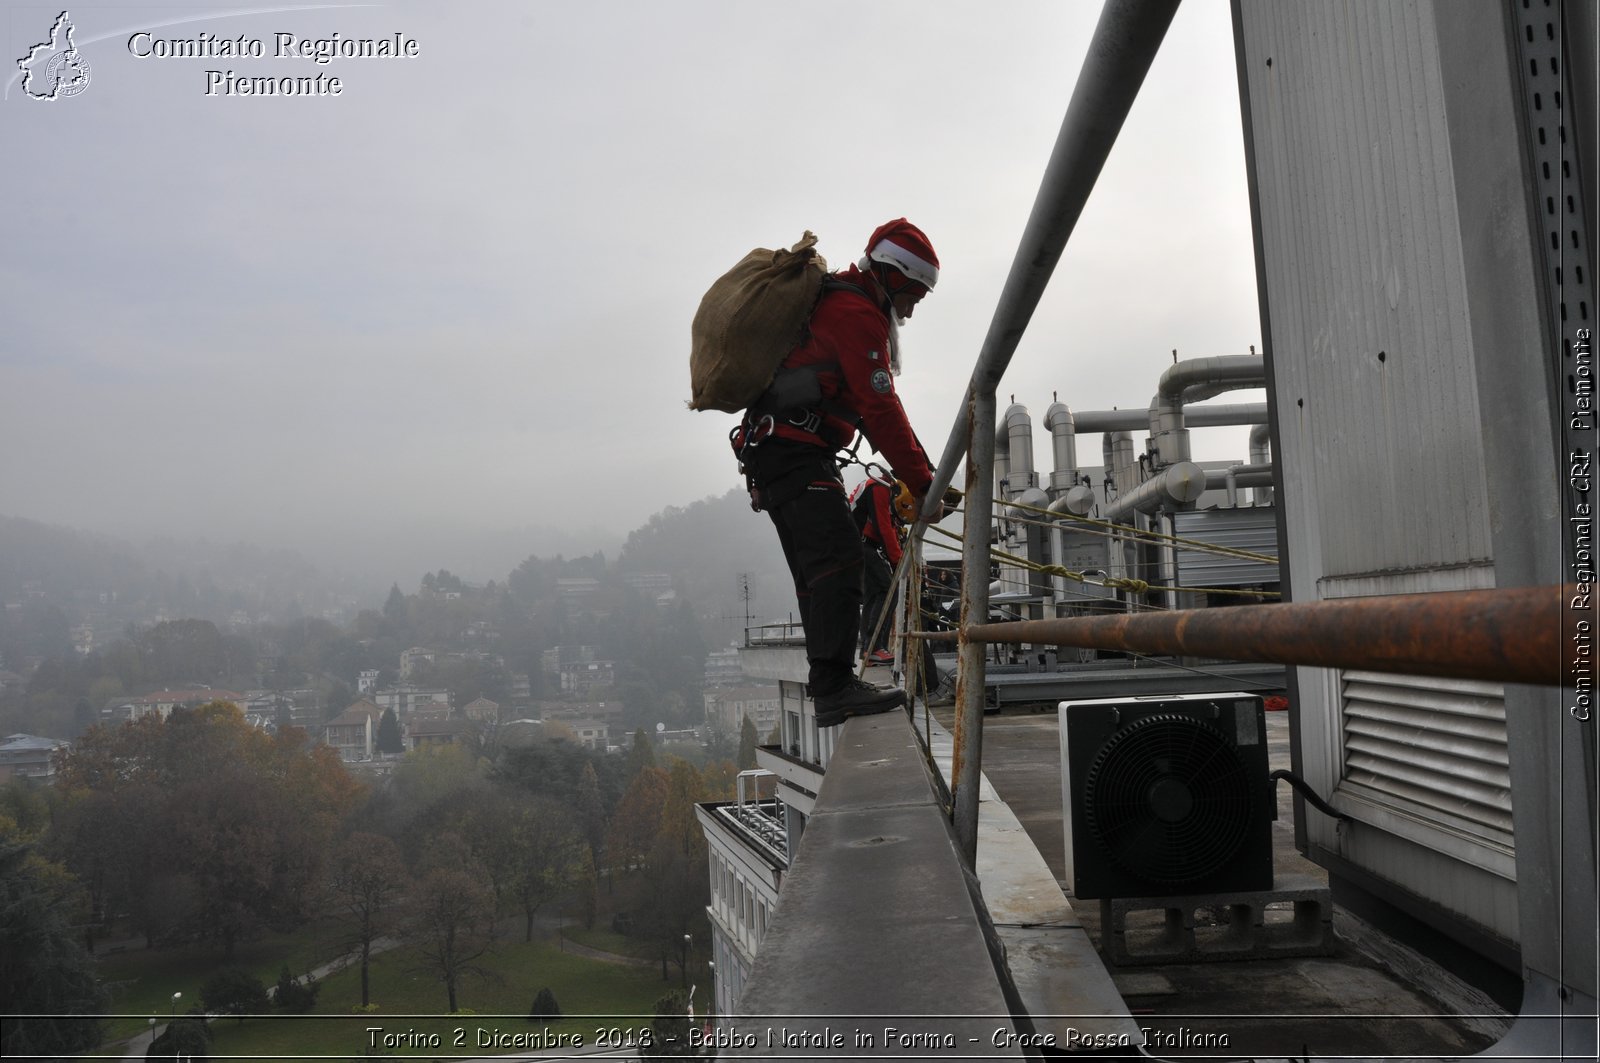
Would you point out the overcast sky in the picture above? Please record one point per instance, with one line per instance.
(454, 300)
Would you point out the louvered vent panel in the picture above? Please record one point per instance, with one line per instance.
(1434, 744)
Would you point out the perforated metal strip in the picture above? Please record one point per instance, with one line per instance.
(1562, 210)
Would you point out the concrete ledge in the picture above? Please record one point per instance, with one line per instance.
(1069, 997)
(875, 929)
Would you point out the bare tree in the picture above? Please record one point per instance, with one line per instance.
(453, 926)
(365, 884)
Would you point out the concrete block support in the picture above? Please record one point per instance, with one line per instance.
(1259, 924)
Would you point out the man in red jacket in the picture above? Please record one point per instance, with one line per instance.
(872, 508)
(838, 380)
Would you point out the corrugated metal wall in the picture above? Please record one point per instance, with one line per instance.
(1252, 528)
(1383, 482)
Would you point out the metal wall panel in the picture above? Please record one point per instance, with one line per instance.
(1252, 528)
(1363, 267)
(1375, 386)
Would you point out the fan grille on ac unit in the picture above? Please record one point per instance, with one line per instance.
(1168, 798)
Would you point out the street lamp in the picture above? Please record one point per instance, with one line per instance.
(152, 1029)
(175, 997)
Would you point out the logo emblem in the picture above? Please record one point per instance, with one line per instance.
(55, 68)
(882, 382)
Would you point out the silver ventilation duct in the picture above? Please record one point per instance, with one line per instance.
(1191, 381)
(1063, 449)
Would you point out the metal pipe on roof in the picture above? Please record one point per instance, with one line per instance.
(1078, 501)
(1176, 485)
(1226, 413)
(1236, 476)
(1189, 381)
(1508, 634)
(1260, 444)
(1002, 458)
(1026, 502)
(1063, 449)
(1196, 379)
(1019, 451)
(1229, 413)
(1013, 453)
(1169, 560)
(1261, 454)
(1116, 448)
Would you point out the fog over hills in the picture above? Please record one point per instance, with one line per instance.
(705, 546)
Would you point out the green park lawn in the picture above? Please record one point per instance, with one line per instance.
(598, 998)
(607, 995)
(412, 1005)
(143, 980)
(607, 940)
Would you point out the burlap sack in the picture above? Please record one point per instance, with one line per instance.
(748, 321)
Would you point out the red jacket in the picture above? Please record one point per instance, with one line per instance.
(848, 330)
(871, 503)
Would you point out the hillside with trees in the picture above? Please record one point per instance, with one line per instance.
(706, 545)
(206, 833)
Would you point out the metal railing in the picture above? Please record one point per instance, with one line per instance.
(1124, 44)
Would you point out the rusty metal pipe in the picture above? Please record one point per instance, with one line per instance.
(1510, 635)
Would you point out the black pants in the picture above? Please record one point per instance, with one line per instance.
(876, 588)
(801, 491)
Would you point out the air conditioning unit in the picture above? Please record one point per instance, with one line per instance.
(1166, 796)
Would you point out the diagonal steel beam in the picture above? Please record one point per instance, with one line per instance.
(1125, 42)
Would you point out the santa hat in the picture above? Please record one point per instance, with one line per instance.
(905, 247)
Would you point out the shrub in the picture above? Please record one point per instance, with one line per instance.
(293, 996)
(544, 1005)
(669, 1030)
(233, 991)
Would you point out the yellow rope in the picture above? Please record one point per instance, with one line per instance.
(1135, 586)
(1125, 529)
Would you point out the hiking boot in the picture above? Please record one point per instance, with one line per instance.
(856, 698)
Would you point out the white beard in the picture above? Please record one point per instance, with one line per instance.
(895, 320)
